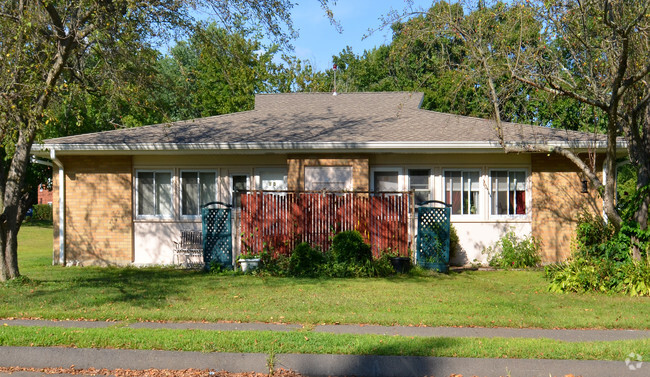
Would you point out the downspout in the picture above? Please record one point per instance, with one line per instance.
(59, 164)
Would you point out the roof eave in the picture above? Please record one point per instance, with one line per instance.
(42, 150)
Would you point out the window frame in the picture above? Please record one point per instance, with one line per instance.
(383, 169)
(430, 180)
(231, 186)
(180, 189)
(349, 186)
(172, 193)
(527, 191)
(260, 171)
(480, 205)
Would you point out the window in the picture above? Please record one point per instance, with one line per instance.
(197, 189)
(386, 181)
(508, 192)
(239, 186)
(462, 191)
(419, 182)
(328, 178)
(272, 180)
(154, 193)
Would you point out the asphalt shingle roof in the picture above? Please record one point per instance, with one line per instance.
(322, 117)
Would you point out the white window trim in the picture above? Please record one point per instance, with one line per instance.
(481, 207)
(180, 189)
(400, 176)
(260, 171)
(529, 191)
(137, 197)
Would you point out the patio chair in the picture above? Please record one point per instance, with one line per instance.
(188, 251)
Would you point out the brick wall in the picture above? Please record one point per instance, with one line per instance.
(44, 195)
(99, 210)
(360, 170)
(557, 201)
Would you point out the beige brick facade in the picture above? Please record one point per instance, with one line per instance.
(98, 204)
(557, 202)
(360, 170)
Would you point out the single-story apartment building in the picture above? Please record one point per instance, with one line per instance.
(122, 197)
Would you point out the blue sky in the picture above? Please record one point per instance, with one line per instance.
(319, 40)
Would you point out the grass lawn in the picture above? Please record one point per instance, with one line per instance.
(502, 298)
(309, 342)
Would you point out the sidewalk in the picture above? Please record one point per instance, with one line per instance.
(307, 365)
(323, 365)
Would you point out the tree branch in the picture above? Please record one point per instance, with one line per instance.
(9, 16)
(553, 89)
(568, 154)
(56, 20)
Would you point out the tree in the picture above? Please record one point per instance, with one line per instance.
(49, 46)
(215, 72)
(592, 53)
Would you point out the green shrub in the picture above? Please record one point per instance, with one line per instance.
(600, 275)
(305, 261)
(349, 247)
(597, 239)
(349, 256)
(511, 252)
(370, 268)
(42, 212)
(454, 242)
(601, 259)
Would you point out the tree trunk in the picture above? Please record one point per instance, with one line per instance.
(609, 194)
(8, 250)
(641, 214)
(14, 204)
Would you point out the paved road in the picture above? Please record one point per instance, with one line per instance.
(325, 365)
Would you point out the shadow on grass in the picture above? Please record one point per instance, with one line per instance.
(98, 286)
(37, 224)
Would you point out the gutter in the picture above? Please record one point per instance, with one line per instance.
(297, 147)
(59, 164)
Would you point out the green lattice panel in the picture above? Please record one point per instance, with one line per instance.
(433, 238)
(217, 236)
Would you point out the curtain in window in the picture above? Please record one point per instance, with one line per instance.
(163, 194)
(190, 193)
(208, 184)
(386, 181)
(145, 194)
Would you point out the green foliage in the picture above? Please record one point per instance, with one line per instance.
(512, 252)
(349, 257)
(596, 239)
(248, 254)
(454, 241)
(368, 268)
(601, 259)
(348, 247)
(600, 275)
(305, 261)
(42, 212)
(592, 235)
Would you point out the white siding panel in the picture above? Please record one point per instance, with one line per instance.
(154, 241)
(474, 237)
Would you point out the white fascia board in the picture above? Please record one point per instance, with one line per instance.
(290, 147)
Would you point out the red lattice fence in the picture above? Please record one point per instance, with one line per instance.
(282, 220)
